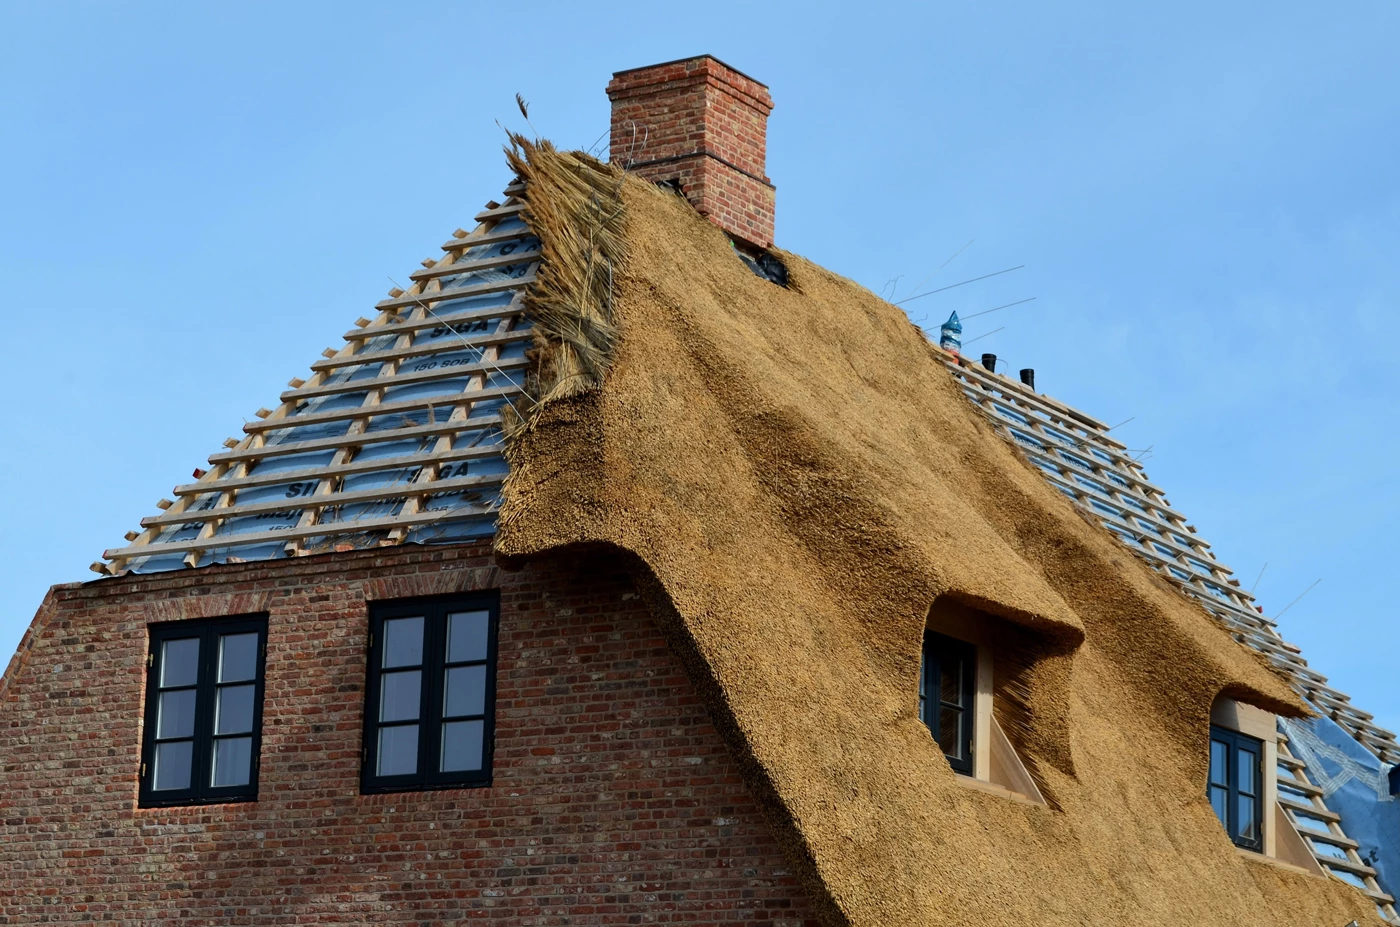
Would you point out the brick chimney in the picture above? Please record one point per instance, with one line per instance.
(702, 126)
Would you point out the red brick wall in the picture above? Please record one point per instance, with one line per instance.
(705, 125)
(614, 799)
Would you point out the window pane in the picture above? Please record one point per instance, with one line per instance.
(233, 710)
(1219, 800)
(233, 759)
(461, 745)
(950, 679)
(173, 765)
(176, 714)
(950, 731)
(403, 642)
(1248, 831)
(466, 691)
(179, 663)
(238, 657)
(1219, 754)
(1246, 771)
(466, 636)
(399, 695)
(398, 750)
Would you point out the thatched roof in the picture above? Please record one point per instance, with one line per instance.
(799, 481)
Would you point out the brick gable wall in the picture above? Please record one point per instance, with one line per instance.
(614, 800)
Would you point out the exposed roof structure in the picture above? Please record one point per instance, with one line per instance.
(393, 438)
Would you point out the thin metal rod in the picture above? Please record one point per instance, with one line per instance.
(1297, 600)
(941, 266)
(980, 337)
(963, 283)
(1259, 577)
(1007, 306)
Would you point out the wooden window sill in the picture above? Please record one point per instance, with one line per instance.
(1256, 857)
(991, 788)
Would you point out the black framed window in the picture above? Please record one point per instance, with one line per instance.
(430, 694)
(204, 695)
(1236, 785)
(947, 687)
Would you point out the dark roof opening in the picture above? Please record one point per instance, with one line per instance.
(762, 262)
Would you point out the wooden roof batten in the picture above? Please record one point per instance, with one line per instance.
(448, 351)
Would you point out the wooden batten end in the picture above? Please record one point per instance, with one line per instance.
(395, 293)
(429, 262)
(459, 233)
(199, 473)
(492, 204)
(263, 413)
(164, 504)
(97, 566)
(132, 535)
(362, 322)
(231, 442)
(328, 352)
(296, 382)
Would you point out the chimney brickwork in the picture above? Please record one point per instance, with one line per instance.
(702, 125)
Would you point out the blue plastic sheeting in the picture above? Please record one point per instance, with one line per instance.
(1355, 785)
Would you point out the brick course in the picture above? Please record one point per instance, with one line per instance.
(614, 800)
(703, 125)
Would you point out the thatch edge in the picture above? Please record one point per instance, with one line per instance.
(575, 208)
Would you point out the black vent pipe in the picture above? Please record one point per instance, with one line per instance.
(990, 362)
(1028, 377)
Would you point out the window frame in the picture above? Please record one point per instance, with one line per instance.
(1235, 743)
(930, 692)
(434, 610)
(207, 631)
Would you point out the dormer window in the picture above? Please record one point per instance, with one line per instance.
(958, 699)
(1236, 785)
(947, 690)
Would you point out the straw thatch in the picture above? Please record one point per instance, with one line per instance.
(800, 484)
(575, 209)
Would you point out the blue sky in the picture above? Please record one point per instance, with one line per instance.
(198, 198)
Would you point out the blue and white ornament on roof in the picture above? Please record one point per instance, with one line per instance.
(950, 335)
